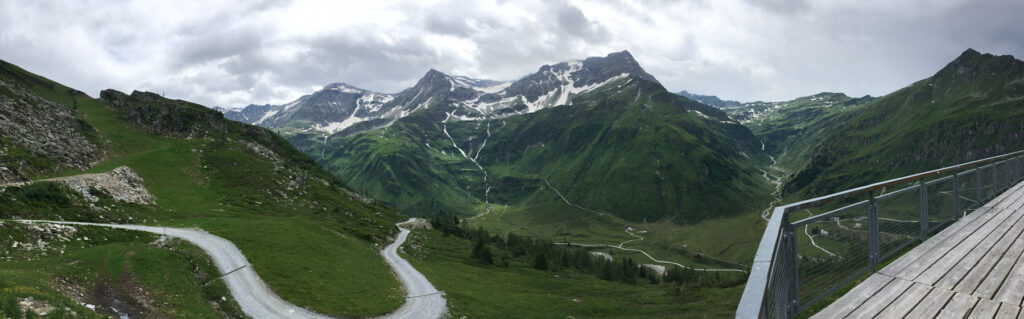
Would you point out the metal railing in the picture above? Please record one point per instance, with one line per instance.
(798, 263)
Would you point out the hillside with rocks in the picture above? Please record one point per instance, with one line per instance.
(38, 136)
(139, 158)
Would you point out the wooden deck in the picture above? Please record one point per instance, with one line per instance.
(972, 269)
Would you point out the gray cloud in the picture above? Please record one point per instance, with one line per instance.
(781, 6)
(223, 53)
(572, 20)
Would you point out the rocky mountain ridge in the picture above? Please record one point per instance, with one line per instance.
(345, 110)
(39, 136)
(593, 129)
(710, 100)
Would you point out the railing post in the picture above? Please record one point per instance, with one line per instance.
(1017, 162)
(1016, 170)
(1006, 174)
(956, 197)
(996, 186)
(794, 287)
(977, 181)
(872, 231)
(1019, 169)
(995, 179)
(923, 205)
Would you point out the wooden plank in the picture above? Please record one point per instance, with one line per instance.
(1012, 290)
(915, 269)
(930, 306)
(939, 239)
(968, 281)
(936, 242)
(969, 252)
(906, 302)
(989, 233)
(854, 298)
(958, 307)
(992, 217)
(1005, 194)
(984, 309)
(993, 280)
(882, 299)
(1007, 311)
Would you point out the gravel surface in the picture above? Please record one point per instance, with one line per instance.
(258, 301)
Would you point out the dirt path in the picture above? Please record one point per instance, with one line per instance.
(638, 237)
(258, 301)
(808, 233)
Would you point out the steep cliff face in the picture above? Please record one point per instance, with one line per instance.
(39, 136)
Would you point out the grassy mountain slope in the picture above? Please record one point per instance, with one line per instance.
(301, 228)
(517, 289)
(972, 108)
(629, 148)
(790, 130)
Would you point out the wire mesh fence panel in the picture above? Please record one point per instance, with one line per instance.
(940, 203)
(983, 178)
(833, 251)
(988, 190)
(818, 254)
(967, 189)
(1018, 169)
(1008, 174)
(780, 281)
(899, 220)
(1000, 177)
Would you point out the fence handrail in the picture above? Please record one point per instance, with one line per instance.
(895, 181)
(753, 301)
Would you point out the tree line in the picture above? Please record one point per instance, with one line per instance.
(511, 249)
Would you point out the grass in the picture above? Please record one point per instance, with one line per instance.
(126, 261)
(721, 242)
(311, 242)
(964, 112)
(477, 291)
(313, 264)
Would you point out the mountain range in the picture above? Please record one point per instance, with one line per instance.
(574, 134)
(576, 143)
(710, 100)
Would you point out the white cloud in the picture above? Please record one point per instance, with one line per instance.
(221, 53)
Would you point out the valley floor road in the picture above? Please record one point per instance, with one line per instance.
(258, 301)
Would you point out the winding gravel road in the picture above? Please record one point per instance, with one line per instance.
(259, 302)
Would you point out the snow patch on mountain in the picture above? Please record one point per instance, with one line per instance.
(559, 96)
(335, 127)
(266, 116)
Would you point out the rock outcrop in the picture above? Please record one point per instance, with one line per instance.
(38, 136)
(157, 115)
(122, 184)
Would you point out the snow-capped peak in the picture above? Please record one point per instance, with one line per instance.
(486, 86)
(344, 88)
(469, 98)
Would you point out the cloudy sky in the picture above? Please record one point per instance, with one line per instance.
(231, 54)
